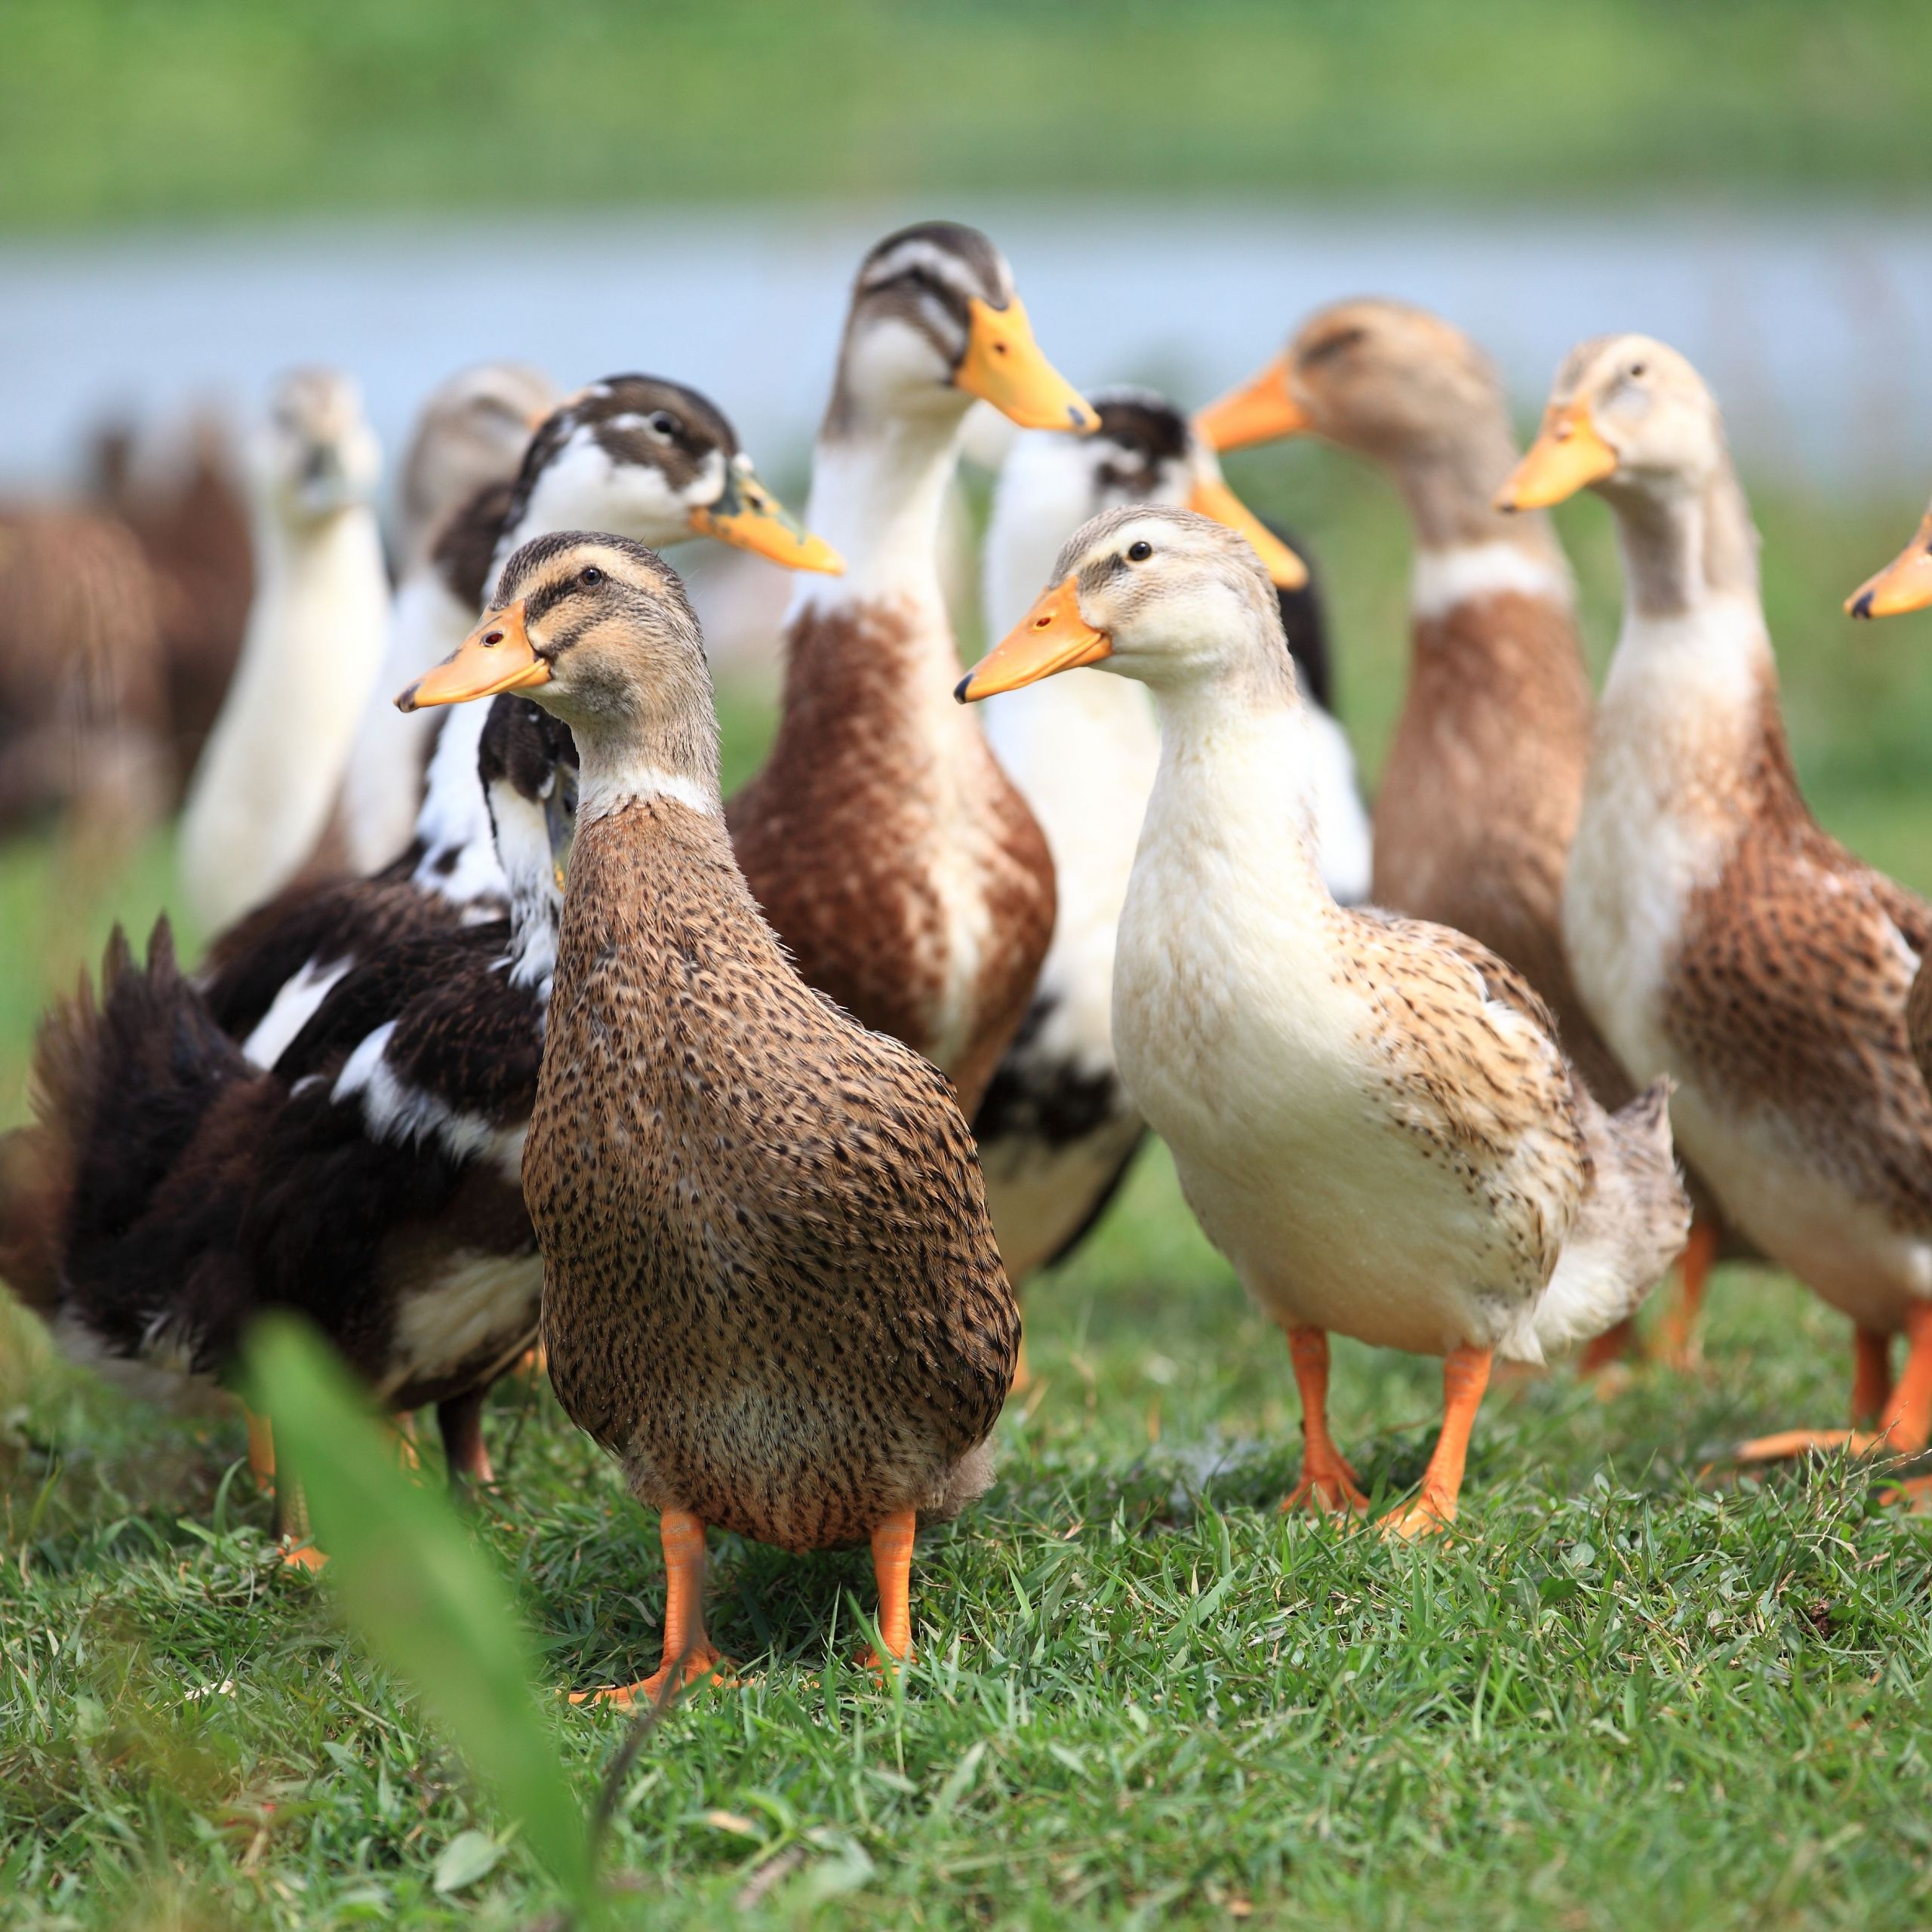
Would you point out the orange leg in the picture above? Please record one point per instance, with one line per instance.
(688, 1654)
(1682, 1338)
(1022, 1374)
(892, 1564)
(461, 1423)
(1905, 1421)
(1871, 1375)
(1605, 1351)
(261, 1450)
(1327, 1483)
(1465, 1376)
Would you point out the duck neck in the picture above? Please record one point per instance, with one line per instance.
(664, 748)
(1686, 546)
(1449, 483)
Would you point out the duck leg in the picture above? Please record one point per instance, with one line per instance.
(1327, 1483)
(892, 1566)
(688, 1652)
(1465, 1376)
(1905, 1420)
(1682, 1338)
(261, 1450)
(461, 1422)
(1871, 1375)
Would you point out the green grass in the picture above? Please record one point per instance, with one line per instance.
(1623, 1698)
(115, 110)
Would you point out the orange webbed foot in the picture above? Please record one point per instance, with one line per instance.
(1332, 1491)
(303, 1555)
(1427, 1516)
(1787, 1445)
(700, 1665)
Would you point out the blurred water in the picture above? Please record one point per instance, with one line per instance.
(1806, 322)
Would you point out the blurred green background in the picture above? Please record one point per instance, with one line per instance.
(117, 109)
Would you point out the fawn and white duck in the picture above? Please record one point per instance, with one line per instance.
(1055, 1129)
(1717, 934)
(1371, 1116)
(771, 1290)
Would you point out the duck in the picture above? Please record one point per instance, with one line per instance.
(173, 1186)
(772, 1291)
(1055, 1129)
(84, 716)
(637, 455)
(1372, 1116)
(1719, 935)
(456, 472)
(881, 838)
(261, 795)
(1477, 802)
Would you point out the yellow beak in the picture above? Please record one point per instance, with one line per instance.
(1004, 366)
(1568, 454)
(1216, 500)
(1053, 636)
(750, 516)
(1262, 411)
(1904, 584)
(496, 656)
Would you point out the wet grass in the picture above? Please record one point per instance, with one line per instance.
(1621, 1697)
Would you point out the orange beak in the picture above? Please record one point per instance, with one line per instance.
(1263, 410)
(496, 656)
(1004, 366)
(1904, 584)
(1216, 500)
(1569, 453)
(1053, 636)
(750, 516)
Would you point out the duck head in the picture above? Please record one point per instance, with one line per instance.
(656, 463)
(316, 455)
(935, 324)
(1383, 378)
(526, 761)
(1143, 451)
(471, 432)
(1904, 584)
(1160, 595)
(1628, 417)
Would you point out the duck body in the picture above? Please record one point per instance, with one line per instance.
(262, 794)
(730, 1214)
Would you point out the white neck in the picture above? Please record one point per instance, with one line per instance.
(610, 780)
(1448, 576)
(317, 630)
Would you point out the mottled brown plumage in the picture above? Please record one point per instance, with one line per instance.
(771, 1287)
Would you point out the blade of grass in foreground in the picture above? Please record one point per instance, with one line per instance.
(414, 1587)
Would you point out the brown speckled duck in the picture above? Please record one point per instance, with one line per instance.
(882, 840)
(1371, 1115)
(771, 1287)
(1716, 933)
(1479, 795)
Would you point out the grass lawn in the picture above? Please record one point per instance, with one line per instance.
(1618, 1698)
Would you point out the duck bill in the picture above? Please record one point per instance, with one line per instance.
(1904, 584)
(1053, 636)
(1261, 411)
(1568, 455)
(750, 516)
(1004, 365)
(1216, 500)
(496, 656)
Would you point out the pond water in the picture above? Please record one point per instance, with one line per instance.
(1806, 322)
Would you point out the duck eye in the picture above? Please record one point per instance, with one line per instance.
(589, 574)
(664, 424)
(1139, 551)
(1637, 369)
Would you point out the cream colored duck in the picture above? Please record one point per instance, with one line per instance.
(266, 783)
(1055, 1130)
(1371, 1115)
(882, 838)
(1717, 934)
(770, 1286)
(468, 443)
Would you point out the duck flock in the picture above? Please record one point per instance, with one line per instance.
(750, 1119)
